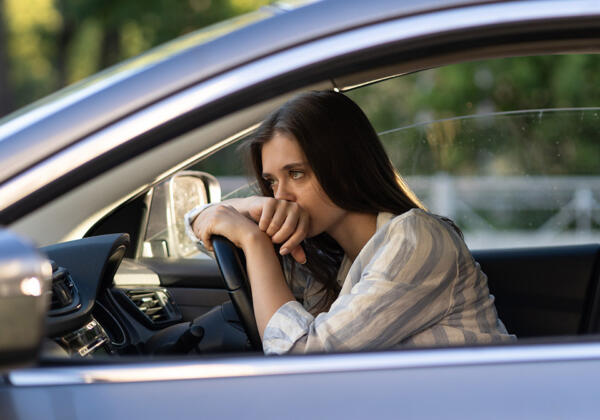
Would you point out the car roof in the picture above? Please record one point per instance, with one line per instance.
(71, 114)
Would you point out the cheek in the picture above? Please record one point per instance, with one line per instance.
(312, 198)
(323, 213)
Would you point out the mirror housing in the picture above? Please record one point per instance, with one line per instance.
(25, 289)
(165, 232)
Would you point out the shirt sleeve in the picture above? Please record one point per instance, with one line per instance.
(405, 287)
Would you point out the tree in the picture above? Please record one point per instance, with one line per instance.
(58, 42)
(6, 94)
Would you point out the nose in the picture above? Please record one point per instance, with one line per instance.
(283, 192)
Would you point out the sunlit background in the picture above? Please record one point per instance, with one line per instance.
(48, 44)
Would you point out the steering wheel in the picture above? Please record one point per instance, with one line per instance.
(231, 262)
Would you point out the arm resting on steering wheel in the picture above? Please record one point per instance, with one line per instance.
(269, 289)
(267, 282)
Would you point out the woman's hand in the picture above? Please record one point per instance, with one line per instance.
(222, 219)
(285, 222)
(282, 221)
(267, 282)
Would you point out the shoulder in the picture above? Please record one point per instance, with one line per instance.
(417, 219)
(416, 245)
(423, 229)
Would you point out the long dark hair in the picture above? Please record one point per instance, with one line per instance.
(347, 159)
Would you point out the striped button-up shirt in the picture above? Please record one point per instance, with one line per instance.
(414, 283)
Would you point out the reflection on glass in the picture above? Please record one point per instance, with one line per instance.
(526, 178)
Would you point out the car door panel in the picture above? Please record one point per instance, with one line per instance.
(195, 302)
(550, 389)
(188, 272)
(546, 291)
(195, 284)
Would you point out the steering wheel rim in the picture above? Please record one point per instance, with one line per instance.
(231, 262)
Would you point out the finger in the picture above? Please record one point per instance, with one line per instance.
(267, 213)
(255, 207)
(299, 235)
(288, 228)
(206, 235)
(281, 213)
(299, 255)
(195, 227)
(206, 231)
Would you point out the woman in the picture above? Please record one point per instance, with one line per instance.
(361, 264)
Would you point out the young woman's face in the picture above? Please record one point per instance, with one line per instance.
(291, 178)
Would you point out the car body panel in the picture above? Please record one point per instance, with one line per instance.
(527, 382)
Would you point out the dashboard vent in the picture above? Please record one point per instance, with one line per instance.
(151, 304)
(65, 297)
(154, 307)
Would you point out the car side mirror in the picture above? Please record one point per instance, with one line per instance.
(25, 288)
(165, 231)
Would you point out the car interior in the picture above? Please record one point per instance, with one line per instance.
(124, 290)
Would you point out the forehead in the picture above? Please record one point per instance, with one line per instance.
(281, 150)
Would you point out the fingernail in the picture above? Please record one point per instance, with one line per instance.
(284, 251)
(303, 262)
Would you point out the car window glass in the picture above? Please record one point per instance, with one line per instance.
(229, 167)
(507, 148)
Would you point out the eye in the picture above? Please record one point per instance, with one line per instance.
(270, 182)
(296, 174)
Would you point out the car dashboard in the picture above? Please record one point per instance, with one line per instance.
(539, 292)
(89, 315)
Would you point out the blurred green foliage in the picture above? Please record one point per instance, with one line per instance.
(48, 44)
(508, 84)
(524, 143)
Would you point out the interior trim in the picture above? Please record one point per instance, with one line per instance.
(130, 273)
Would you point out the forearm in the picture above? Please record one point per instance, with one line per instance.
(269, 289)
(242, 205)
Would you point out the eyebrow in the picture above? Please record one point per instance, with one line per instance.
(287, 167)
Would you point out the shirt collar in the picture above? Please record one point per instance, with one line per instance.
(382, 219)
